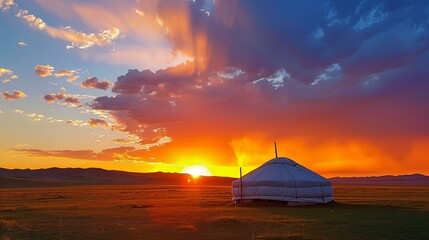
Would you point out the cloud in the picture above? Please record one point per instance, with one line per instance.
(110, 154)
(361, 98)
(144, 43)
(78, 123)
(47, 70)
(70, 74)
(347, 81)
(72, 100)
(8, 74)
(52, 97)
(31, 19)
(4, 71)
(6, 4)
(44, 70)
(93, 82)
(65, 73)
(139, 12)
(22, 43)
(36, 117)
(77, 39)
(14, 96)
(94, 122)
(67, 98)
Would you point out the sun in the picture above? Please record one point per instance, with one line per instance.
(197, 171)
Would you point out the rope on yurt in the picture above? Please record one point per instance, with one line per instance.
(296, 190)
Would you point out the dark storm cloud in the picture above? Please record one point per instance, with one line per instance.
(308, 69)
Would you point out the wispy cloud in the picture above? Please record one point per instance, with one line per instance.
(77, 123)
(77, 39)
(70, 74)
(7, 75)
(36, 117)
(145, 43)
(110, 154)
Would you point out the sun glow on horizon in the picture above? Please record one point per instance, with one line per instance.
(197, 171)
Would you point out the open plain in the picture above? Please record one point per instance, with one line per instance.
(206, 212)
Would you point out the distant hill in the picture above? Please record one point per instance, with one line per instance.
(10, 178)
(51, 177)
(401, 180)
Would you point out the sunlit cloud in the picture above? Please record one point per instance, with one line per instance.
(111, 154)
(77, 123)
(7, 75)
(44, 70)
(94, 122)
(22, 43)
(47, 70)
(54, 120)
(36, 117)
(14, 95)
(72, 78)
(4, 71)
(93, 82)
(72, 100)
(139, 12)
(6, 4)
(77, 39)
(66, 98)
(242, 91)
(52, 97)
(143, 41)
(70, 74)
(219, 83)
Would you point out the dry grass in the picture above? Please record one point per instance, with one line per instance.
(183, 212)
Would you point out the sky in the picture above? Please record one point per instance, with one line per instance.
(144, 86)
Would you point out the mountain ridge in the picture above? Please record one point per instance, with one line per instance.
(97, 176)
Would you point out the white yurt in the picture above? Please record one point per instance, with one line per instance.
(282, 179)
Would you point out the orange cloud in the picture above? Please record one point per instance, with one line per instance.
(52, 97)
(9, 74)
(14, 96)
(95, 83)
(70, 99)
(94, 122)
(44, 70)
(111, 154)
(70, 74)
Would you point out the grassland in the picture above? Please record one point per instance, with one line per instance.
(206, 212)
